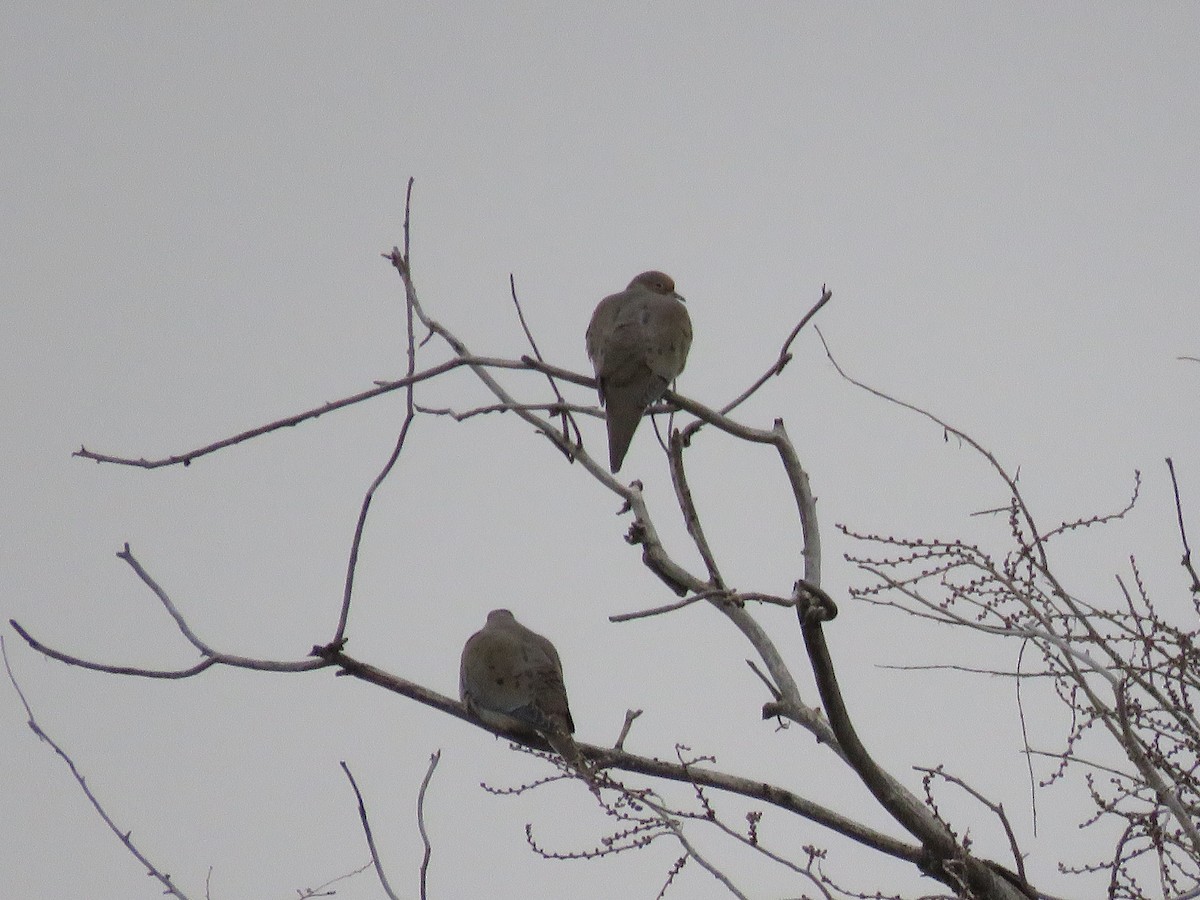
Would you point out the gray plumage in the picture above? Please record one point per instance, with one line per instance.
(511, 678)
(638, 342)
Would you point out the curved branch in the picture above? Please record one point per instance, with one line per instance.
(211, 656)
(212, 659)
(366, 824)
(687, 506)
(82, 663)
(409, 415)
(947, 428)
(946, 859)
(364, 507)
(434, 759)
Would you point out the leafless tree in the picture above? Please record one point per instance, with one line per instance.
(1124, 673)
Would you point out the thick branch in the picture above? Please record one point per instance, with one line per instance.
(946, 860)
(610, 758)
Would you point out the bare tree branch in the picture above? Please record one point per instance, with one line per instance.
(366, 825)
(322, 890)
(691, 518)
(630, 716)
(670, 607)
(997, 809)
(1064, 631)
(785, 355)
(385, 387)
(211, 656)
(676, 829)
(554, 409)
(1147, 664)
(562, 407)
(948, 860)
(434, 759)
(409, 414)
(1186, 562)
(613, 758)
(125, 837)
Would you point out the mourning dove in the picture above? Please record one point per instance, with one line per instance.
(638, 342)
(511, 679)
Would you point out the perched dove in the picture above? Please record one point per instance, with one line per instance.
(638, 342)
(511, 678)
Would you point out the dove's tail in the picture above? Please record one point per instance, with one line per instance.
(624, 405)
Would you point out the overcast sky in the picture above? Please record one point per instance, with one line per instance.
(1002, 198)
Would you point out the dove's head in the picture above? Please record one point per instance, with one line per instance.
(659, 282)
(500, 615)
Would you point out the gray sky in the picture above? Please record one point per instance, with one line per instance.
(1002, 199)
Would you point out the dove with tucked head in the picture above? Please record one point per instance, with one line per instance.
(638, 342)
(511, 678)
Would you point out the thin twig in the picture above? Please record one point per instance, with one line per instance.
(323, 890)
(969, 670)
(670, 822)
(1032, 780)
(364, 508)
(996, 808)
(212, 657)
(104, 667)
(759, 597)
(409, 416)
(1187, 551)
(397, 449)
(567, 420)
(127, 555)
(765, 680)
(366, 824)
(669, 607)
(434, 759)
(785, 355)
(630, 715)
(124, 836)
(385, 387)
(551, 408)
